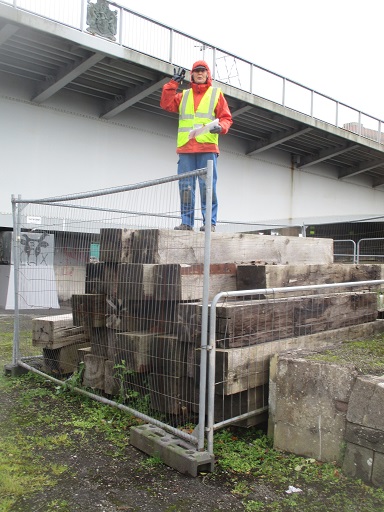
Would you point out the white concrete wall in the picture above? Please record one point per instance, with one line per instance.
(63, 147)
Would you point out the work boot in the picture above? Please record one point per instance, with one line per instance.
(213, 228)
(184, 227)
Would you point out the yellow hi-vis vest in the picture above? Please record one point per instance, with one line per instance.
(205, 113)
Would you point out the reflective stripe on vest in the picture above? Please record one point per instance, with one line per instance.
(205, 113)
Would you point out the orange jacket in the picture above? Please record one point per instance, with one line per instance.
(170, 101)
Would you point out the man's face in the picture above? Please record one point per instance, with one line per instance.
(200, 76)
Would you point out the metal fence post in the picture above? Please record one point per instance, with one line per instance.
(15, 259)
(204, 319)
(211, 372)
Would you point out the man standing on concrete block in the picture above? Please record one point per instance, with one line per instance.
(197, 106)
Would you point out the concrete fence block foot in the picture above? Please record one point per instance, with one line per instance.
(173, 451)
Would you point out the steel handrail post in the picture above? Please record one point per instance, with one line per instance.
(83, 14)
(354, 252)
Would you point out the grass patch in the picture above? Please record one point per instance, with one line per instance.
(22, 470)
(46, 421)
(251, 462)
(367, 356)
(42, 423)
(6, 344)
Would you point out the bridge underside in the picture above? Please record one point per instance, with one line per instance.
(51, 58)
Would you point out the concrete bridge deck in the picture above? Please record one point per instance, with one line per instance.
(44, 63)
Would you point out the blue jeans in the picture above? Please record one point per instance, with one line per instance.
(189, 162)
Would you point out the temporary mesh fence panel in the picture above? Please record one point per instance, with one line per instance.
(369, 250)
(105, 276)
(361, 240)
(247, 328)
(122, 300)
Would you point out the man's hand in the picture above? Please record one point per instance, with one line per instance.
(216, 129)
(179, 75)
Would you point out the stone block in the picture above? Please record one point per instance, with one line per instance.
(135, 348)
(63, 360)
(164, 246)
(314, 442)
(358, 462)
(98, 341)
(232, 406)
(366, 402)
(169, 356)
(88, 310)
(171, 395)
(378, 470)
(252, 277)
(370, 438)
(51, 328)
(14, 370)
(309, 411)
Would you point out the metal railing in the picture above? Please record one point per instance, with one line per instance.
(153, 38)
(374, 252)
(347, 252)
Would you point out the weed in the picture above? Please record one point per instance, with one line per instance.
(74, 381)
(241, 489)
(121, 373)
(254, 506)
(58, 505)
(152, 462)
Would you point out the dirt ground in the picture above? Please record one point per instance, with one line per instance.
(99, 477)
(98, 481)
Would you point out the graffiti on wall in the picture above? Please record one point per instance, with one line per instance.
(36, 249)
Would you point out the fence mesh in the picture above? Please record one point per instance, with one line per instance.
(105, 275)
(248, 328)
(117, 297)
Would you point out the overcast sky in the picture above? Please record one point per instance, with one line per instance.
(332, 46)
